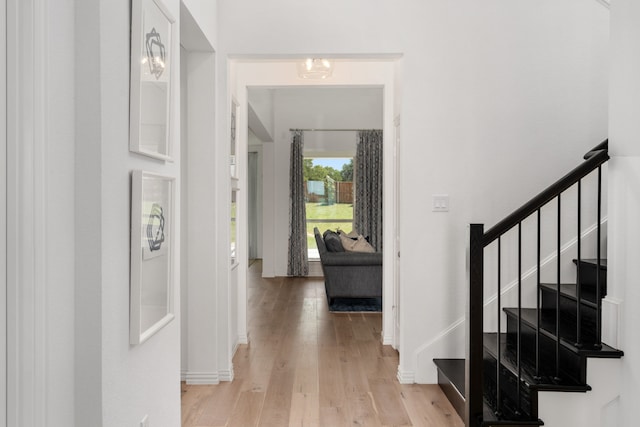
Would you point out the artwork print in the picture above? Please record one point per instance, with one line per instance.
(151, 58)
(152, 226)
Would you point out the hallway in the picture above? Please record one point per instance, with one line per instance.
(305, 366)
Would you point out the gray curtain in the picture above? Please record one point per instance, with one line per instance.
(368, 183)
(298, 260)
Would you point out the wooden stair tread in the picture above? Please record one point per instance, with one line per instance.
(454, 370)
(508, 359)
(489, 419)
(547, 327)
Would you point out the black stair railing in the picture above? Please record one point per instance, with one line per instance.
(479, 240)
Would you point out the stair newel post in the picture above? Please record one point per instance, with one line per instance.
(598, 266)
(498, 349)
(474, 359)
(538, 291)
(578, 282)
(558, 256)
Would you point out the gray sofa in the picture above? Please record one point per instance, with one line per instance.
(350, 274)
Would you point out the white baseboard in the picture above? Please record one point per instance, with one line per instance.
(406, 377)
(242, 339)
(183, 375)
(387, 339)
(226, 375)
(202, 378)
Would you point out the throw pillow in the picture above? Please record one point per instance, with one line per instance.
(332, 241)
(357, 245)
(352, 235)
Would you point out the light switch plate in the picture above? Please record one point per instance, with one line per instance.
(440, 203)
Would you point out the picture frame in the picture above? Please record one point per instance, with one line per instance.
(152, 36)
(152, 254)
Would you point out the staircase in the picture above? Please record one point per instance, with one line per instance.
(544, 346)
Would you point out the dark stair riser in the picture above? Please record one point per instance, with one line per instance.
(510, 409)
(588, 277)
(571, 363)
(568, 317)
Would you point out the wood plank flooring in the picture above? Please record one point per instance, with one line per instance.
(308, 367)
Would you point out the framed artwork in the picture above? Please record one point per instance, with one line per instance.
(150, 97)
(152, 228)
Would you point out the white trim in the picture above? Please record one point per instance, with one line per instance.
(3, 215)
(406, 377)
(201, 378)
(226, 374)
(387, 339)
(26, 194)
(611, 320)
(605, 3)
(242, 339)
(451, 328)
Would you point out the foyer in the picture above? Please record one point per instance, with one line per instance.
(307, 366)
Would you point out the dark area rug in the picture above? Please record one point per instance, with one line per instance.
(342, 305)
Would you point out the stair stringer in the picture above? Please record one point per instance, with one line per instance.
(595, 408)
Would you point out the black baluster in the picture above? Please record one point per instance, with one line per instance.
(538, 311)
(599, 262)
(557, 376)
(578, 282)
(519, 350)
(498, 396)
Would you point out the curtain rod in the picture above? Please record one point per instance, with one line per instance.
(330, 130)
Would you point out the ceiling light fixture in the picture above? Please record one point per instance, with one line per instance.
(315, 68)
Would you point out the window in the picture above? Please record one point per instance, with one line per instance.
(329, 196)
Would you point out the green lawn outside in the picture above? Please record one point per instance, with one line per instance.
(319, 211)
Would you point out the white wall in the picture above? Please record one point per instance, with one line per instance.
(489, 91)
(261, 103)
(38, 168)
(135, 382)
(207, 356)
(118, 384)
(184, 213)
(3, 214)
(624, 198)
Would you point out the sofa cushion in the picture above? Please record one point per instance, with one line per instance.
(332, 241)
(357, 245)
(352, 235)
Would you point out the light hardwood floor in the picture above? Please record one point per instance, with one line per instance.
(305, 366)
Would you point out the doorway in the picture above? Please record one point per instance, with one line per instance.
(280, 74)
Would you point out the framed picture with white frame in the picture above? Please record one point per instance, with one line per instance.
(152, 35)
(152, 254)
